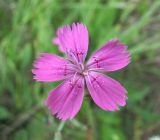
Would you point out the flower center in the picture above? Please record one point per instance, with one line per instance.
(85, 73)
(83, 70)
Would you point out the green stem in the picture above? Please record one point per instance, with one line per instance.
(57, 135)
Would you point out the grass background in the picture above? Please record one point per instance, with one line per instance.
(27, 28)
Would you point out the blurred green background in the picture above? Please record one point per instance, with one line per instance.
(27, 28)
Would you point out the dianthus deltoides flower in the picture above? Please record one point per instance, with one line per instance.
(66, 99)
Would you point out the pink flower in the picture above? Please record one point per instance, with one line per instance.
(66, 99)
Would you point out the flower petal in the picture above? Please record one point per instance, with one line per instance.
(50, 67)
(110, 57)
(73, 40)
(66, 99)
(106, 92)
(56, 40)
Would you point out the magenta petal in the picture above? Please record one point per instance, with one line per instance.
(106, 92)
(50, 67)
(73, 40)
(110, 57)
(56, 40)
(66, 99)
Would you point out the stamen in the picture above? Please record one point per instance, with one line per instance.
(82, 66)
(74, 78)
(85, 73)
(95, 69)
(89, 79)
